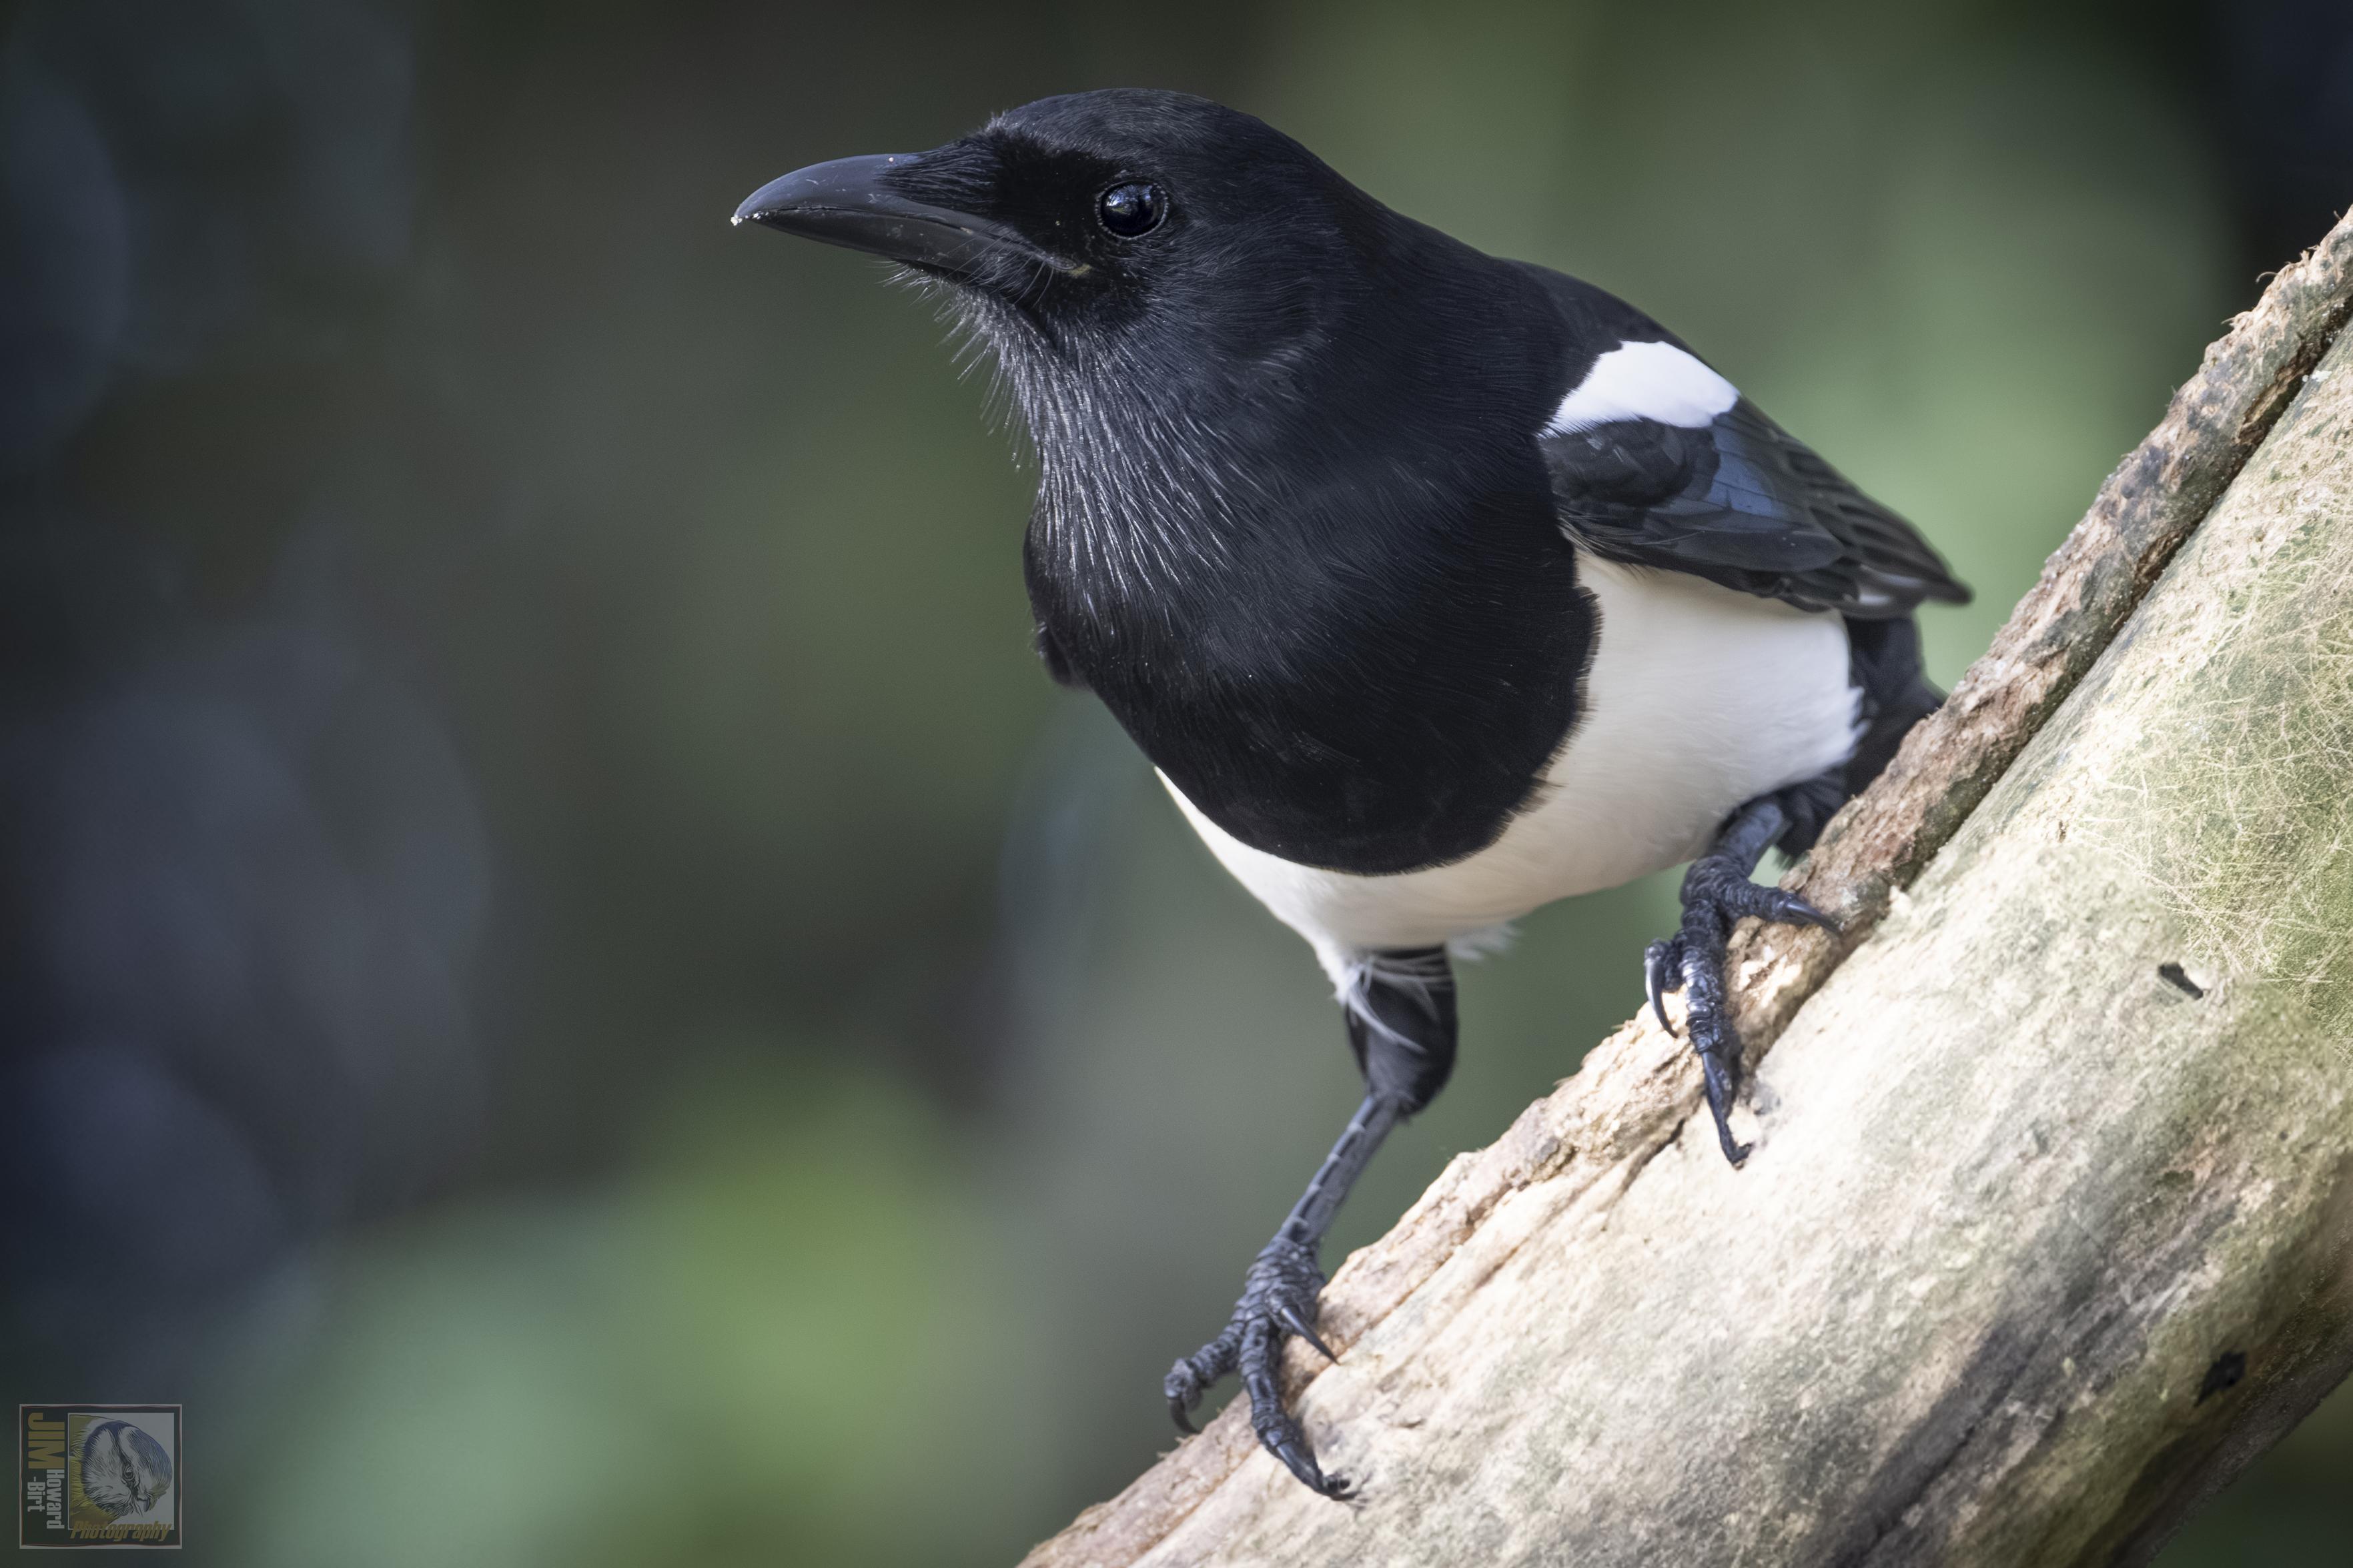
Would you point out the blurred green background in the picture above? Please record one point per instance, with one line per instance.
(570, 986)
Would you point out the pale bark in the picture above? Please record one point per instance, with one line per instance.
(2036, 1247)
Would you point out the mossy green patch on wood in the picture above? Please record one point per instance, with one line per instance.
(2233, 797)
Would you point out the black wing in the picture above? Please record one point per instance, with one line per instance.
(1742, 502)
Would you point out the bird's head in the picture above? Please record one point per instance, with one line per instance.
(1124, 233)
(123, 1469)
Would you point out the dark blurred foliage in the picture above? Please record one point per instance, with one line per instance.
(2282, 108)
(568, 984)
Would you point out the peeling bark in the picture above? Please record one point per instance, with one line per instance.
(2050, 1226)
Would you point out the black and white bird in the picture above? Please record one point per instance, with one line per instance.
(1436, 586)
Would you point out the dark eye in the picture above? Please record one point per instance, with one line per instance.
(1131, 209)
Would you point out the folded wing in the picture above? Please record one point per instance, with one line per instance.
(1655, 461)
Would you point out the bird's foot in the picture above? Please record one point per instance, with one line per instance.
(1278, 1302)
(1716, 894)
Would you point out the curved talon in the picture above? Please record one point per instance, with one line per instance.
(1737, 1153)
(1658, 959)
(1719, 1106)
(1181, 1412)
(1288, 1316)
(1195, 1375)
(1791, 910)
(1278, 1301)
(1302, 1464)
(1716, 895)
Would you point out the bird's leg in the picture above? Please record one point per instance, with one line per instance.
(1400, 1012)
(1716, 894)
(1278, 1299)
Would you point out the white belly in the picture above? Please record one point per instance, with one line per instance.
(1698, 698)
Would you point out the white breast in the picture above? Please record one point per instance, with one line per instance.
(1698, 698)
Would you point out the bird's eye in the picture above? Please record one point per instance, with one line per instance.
(1133, 208)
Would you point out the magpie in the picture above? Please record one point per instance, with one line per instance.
(1436, 586)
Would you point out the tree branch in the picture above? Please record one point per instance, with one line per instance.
(2048, 1229)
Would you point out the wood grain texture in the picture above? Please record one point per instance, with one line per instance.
(2017, 1199)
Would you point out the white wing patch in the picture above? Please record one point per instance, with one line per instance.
(1644, 381)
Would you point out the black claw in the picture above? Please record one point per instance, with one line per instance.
(1294, 1454)
(1303, 1463)
(1717, 1077)
(1735, 1153)
(1658, 959)
(1278, 1299)
(1194, 1374)
(1718, 893)
(1791, 910)
(1288, 1316)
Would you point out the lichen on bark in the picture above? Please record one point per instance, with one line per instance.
(2236, 804)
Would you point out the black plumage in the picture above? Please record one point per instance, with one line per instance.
(1372, 541)
(1740, 502)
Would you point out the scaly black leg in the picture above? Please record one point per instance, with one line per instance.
(1716, 894)
(1400, 1012)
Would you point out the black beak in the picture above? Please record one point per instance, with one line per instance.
(844, 203)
